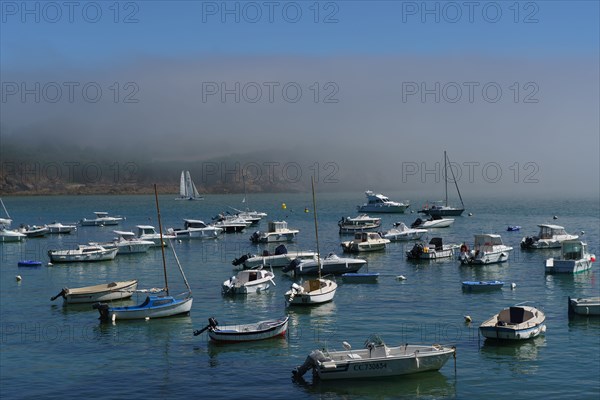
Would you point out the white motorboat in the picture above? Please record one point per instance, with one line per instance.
(549, 237)
(518, 322)
(375, 360)
(148, 232)
(432, 222)
(195, 229)
(401, 233)
(330, 265)
(361, 223)
(6, 234)
(278, 232)
(83, 253)
(434, 250)
(33, 230)
(260, 330)
(187, 188)
(254, 217)
(442, 209)
(127, 243)
(311, 292)
(102, 219)
(365, 241)
(487, 249)
(57, 227)
(280, 258)
(378, 203)
(230, 223)
(584, 306)
(248, 281)
(103, 292)
(575, 258)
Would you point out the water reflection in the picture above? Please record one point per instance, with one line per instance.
(262, 349)
(430, 384)
(520, 356)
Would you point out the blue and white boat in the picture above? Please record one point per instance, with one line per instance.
(154, 306)
(518, 322)
(575, 258)
(481, 286)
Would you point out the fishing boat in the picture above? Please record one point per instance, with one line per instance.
(574, 259)
(361, 223)
(155, 306)
(433, 222)
(330, 265)
(312, 291)
(260, 330)
(278, 259)
(187, 188)
(378, 203)
(375, 360)
(434, 250)
(127, 243)
(195, 229)
(278, 232)
(487, 249)
(102, 292)
(402, 233)
(442, 209)
(102, 219)
(549, 237)
(83, 253)
(365, 241)
(481, 286)
(518, 322)
(584, 306)
(57, 227)
(248, 281)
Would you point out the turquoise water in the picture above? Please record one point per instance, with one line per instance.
(57, 351)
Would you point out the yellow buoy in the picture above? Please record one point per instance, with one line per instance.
(283, 206)
(306, 210)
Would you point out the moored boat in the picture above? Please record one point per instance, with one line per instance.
(487, 249)
(148, 232)
(518, 322)
(361, 223)
(401, 233)
(442, 209)
(102, 219)
(365, 241)
(195, 229)
(102, 292)
(187, 188)
(57, 227)
(83, 253)
(374, 361)
(549, 237)
(278, 259)
(481, 286)
(433, 222)
(574, 259)
(32, 231)
(584, 306)
(260, 330)
(278, 232)
(434, 250)
(378, 203)
(330, 265)
(248, 281)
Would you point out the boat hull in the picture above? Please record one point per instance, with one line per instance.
(251, 332)
(276, 261)
(122, 290)
(554, 266)
(11, 236)
(337, 268)
(481, 286)
(153, 307)
(507, 333)
(324, 294)
(445, 212)
(584, 306)
(514, 323)
(388, 209)
(486, 258)
(67, 256)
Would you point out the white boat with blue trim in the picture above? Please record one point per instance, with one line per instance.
(518, 322)
(575, 259)
(260, 330)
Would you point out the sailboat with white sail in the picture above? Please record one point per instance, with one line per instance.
(442, 209)
(187, 188)
(154, 306)
(312, 291)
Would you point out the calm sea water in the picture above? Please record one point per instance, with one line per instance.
(55, 351)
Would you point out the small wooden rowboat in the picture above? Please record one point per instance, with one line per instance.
(245, 333)
(102, 292)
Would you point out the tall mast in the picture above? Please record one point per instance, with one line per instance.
(162, 244)
(312, 182)
(446, 176)
(455, 184)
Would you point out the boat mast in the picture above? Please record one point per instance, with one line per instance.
(312, 182)
(446, 176)
(8, 215)
(162, 244)
(455, 184)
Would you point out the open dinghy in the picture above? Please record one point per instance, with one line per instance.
(246, 332)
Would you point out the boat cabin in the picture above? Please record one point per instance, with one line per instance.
(366, 236)
(573, 250)
(146, 230)
(549, 231)
(436, 243)
(487, 240)
(193, 223)
(278, 226)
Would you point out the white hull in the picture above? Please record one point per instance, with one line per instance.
(249, 332)
(248, 282)
(307, 294)
(105, 292)
(384, 208)
(376, 361)
(63, 256)
(101, 221)
(497, 256)
(59, 228)
(247, 288)
(508, 325)
(276, 237)
(201, 233)
(395, 235)
(278, 261)
(555, 266)
(350, 247)
(7, 236)
(331, 265)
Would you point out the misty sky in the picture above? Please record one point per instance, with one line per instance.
(379, 88)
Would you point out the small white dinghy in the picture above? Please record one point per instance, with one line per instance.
(518, 322)
(260, 330)
(248, 281)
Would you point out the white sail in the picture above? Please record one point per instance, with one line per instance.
(182, 185)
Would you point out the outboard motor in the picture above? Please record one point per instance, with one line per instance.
(281, 249)
(255, 236)
(292, 266)
(417, 250)
(418, 222)
(241, 260)
(103, 309)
